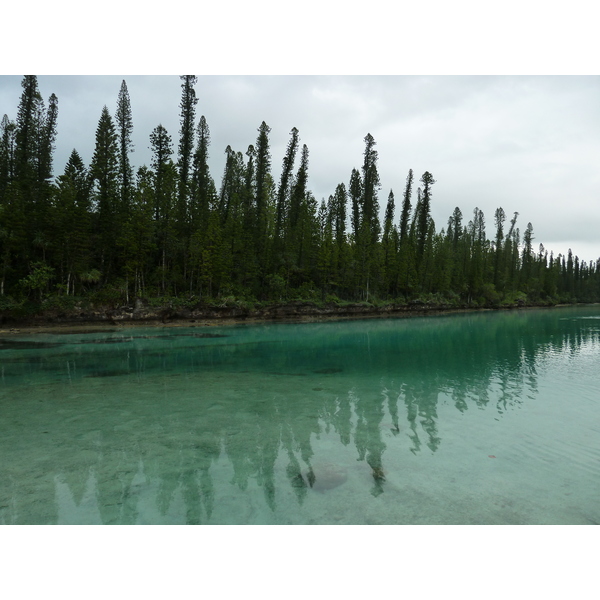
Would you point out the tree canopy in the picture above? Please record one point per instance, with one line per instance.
(110, 233)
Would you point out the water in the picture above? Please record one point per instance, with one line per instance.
(474, 418)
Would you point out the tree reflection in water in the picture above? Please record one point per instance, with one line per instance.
(366, 385)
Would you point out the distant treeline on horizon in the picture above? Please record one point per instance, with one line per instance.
(109, 235)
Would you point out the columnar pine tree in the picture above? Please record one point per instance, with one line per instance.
(71, 223)
(47, 138)
(406, 207)
(423, 215)
(283, 191)
(7, 153)
(104, 172)
(161, 145)
(186, 138)
(262, 176)
(27, 133)
(355, 191)
(371, 185)
(338, 218)
(165, 186)
(499, 218)
(203, 192)
(124, 122)
(527, 259)
(389, 248)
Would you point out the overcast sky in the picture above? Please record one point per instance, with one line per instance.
(527, 144)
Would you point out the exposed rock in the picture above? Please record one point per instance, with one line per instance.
(143, 314)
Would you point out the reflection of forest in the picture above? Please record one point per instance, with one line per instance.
(143, 463)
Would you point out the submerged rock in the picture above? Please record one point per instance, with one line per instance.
(325, 476)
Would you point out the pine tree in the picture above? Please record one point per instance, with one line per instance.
(263, 183)
(283, 191)
(186, 138)
(231, 186)
(47, 137)
(366, 221)
(499, 218)
(7, 153)
(231, 214)
(338, 217)
(137, 238)
(161, 145)
(263, 170)
(371, 185)
(203, 187)
(527, 260)
(326, 252)
(124, 122)
(356, 191)
(423, 214)
(477, 237)
(34, 138)
(248, 262)
(104, 171)
(27, 133)
(165, 185)
(71, 224)
(388, 243)
(406, 207)
(299, 189)
(511, 254)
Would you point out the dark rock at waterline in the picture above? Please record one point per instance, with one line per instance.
(140, 312)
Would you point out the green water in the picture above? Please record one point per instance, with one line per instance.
(474, 418)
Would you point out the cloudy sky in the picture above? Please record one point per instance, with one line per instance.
(528, 144)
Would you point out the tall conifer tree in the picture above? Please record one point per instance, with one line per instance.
(124, 121)
(423, 215)
(203, 187)
(27, 134)
(406, 207)
(186, 135)
(104, 171)
(7, 153)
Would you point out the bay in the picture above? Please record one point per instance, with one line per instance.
(472, 418)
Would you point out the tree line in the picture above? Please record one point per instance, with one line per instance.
(111, 234)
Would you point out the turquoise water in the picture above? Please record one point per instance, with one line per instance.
(473, 418)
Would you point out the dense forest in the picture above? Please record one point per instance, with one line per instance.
(105, 234)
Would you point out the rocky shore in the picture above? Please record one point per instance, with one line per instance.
(102, 318)
(202, 315)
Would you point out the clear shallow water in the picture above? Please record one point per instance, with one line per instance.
(476, 418)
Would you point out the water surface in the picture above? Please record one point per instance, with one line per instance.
(475, 418)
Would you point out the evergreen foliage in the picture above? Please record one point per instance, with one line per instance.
(99, 232)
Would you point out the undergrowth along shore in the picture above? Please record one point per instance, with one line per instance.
(61, 310)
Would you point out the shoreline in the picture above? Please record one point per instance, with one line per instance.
(301, 312)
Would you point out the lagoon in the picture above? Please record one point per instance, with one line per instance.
(472, 418)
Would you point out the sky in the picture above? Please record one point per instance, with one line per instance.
(528, 144)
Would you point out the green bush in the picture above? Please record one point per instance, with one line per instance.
(60, 302)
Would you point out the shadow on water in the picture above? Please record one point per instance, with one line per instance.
(376, 380)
